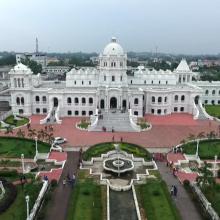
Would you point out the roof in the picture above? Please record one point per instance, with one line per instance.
(113, 48)
(21, 68)
(183, 66)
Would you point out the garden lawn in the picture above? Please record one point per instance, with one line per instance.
(155, 199)
(207, 149)
(213, 110)
(10, 120)
(88, 200)
(18, 208)
(14, 147)
(213, 196)
(97, 150)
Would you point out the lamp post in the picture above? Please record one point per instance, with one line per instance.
(22, 162)
(27, 198)
(36, 150)
(197, 148)
(215, 163)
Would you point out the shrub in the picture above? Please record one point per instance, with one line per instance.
(218, 174)
(186, 183)
(53, 183)
(156, 193)
(8, 173)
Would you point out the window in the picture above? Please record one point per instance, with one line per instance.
(136, 113)
(165, 99)
(153, 99)
(121, 78)
(76, 100)
(90, 112)
(69, 112)
(218, 101)
(22, 100)
(144, 81)
(165, 111)
(37, 110)
(44, 98)
(131, 81)
(37, 98)
(152, 111)
(69, 100)
(19, 83)
(18, 101)
(83, 112)
(182, 109)
(113, 78)
(21, 111)
(175, 109)
(159, 111)
(121, 64)
(152, 82)
(136, 101)
(76, 113)
(44, 110)
(90, 101)
(75, 82)
(89, 82)
(83, 101)
(176, 98)
(104, 78)
(206, 101)
(15, 82)
(207, 92)
(112, 64)
(213, 92)
(22, 82)
(166, 82)
(213, 102)
(159, 81)
(219, 92)
(159, 99)
(82, 82)
(182, 98)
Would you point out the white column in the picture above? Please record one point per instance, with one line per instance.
(22, 162)
(215, 163)
(36, 149)
(27, 198)
(197, 148)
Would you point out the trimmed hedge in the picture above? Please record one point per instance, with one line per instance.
(10, 196)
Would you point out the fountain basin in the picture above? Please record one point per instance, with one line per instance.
(118, 165)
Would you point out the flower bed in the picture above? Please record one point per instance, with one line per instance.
(83, 124)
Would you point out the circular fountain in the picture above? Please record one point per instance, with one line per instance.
(118, 164)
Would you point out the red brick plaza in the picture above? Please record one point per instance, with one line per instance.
(167, 131)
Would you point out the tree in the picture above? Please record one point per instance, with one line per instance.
(201, 135)
(191, 137)
(34, 66)
(20, 133)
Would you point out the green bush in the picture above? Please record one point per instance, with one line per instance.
(8, 173)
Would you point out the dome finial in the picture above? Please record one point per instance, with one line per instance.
(113, 39)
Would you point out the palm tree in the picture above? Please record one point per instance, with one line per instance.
(20, 133)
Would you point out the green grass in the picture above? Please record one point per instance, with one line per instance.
(18, 208)
(10, 120)
(155, 199)
(88, 200)
(213, 110)
(84, 124)
(14, 147)
(98, 149)
(207, 149)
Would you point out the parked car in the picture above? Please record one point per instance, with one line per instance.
(59, 140)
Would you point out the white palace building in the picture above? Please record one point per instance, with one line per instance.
(108, 88)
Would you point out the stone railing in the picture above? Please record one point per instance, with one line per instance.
(195, 111)
(57, 113)
(94, 120)
(43, 121)
(136, 203)
(5, 115)
(133, 121)
(205, 203)
(38, 201)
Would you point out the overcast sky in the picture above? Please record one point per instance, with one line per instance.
(174, 26)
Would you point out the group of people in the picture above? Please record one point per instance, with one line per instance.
(173, 190)
(69, 179)
(113, 139)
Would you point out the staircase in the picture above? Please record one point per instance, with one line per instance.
(201, 116)
(114, 119)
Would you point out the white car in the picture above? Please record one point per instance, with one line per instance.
(59, 140)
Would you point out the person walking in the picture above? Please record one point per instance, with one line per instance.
(64, 182)
(172, 190)
(175, 190)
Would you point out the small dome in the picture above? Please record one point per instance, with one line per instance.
(183, 66)
(21, 66)
(113, 48)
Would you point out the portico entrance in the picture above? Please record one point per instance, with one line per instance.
(55, 102)
(113, 103)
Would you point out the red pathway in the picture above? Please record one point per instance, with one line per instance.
(167, 131)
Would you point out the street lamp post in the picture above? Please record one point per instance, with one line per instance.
(36, 149)
(27, 198)
(22, 162)
(215, 163)
(197, 148)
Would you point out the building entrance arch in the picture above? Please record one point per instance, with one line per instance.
(102, 104)
(124, 104)
(55, 102)
(196, 100)
(113, 102)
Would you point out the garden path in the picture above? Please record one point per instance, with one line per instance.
(183, 202)
(61, 195)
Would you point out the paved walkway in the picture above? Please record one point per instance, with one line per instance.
(61, 195)
(183, 202)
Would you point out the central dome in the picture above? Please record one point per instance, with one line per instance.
(113, 49)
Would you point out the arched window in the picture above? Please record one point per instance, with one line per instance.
(213, 92)
(22, 82)
(19, 83)
(153, 99)
(69, 100)
(136, 101)
(90, 100)
(22, 100)
(176, 98)
(165, 99)
(206, 91)
(113, 78)
(44, 98)
(183, 98)
(18, 101)
(219, 92)
(83, 101)
(76, 100)
(159, 99)
(37, 98)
